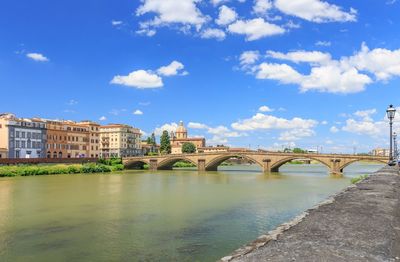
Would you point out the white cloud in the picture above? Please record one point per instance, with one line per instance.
(383, 63)
(365, 114)
(324, 122)
(364, 127)
(197, 125)
(213, 33)
(168, 127)
(172, 69)
(281, 72)
(265, 109)
(347, 75)
(116, 22)
(103, 118)
(334, 129)
(172, 12)
(249, 57)
(296, 134)
(226, 15)
(301, 56)
(263, 122)
(72, 102)
(316, 11)
(147, 32)
(37, 57)
(323, 43)
(261, 6)
(255, 28)
(138, 112)
(217, 2)
(140, 79)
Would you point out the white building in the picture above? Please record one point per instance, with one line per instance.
(118, 140)
(23, 138)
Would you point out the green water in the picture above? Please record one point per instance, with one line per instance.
(154, 216)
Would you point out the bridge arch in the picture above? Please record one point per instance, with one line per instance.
(275, 166)
(213, 164)
(136, 164)
(342, 167)
(168, 163)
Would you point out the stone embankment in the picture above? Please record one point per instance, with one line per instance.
(361, 223)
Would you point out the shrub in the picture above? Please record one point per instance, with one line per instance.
(358, 179)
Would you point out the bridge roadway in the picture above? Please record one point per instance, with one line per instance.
(268, 161)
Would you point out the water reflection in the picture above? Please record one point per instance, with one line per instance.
(168, 215)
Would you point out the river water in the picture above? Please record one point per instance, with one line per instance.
(177, 215)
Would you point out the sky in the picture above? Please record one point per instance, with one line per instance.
(246, 73)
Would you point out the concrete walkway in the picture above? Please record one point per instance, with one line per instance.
(362, 223)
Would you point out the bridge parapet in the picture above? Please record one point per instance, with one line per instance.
(268, 161)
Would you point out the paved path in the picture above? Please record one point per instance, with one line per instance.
(361, 223)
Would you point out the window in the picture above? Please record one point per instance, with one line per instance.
(17, 134)
(28, 144)
(23, 144)
(23, 134)
(28, 134)
(17, 144)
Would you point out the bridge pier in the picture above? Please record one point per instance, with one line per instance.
(153, 166)
(335, 167)
(266, 165)
(201, 165)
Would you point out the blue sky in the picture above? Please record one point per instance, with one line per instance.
(255, 73)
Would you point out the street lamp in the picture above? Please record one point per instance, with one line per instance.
(391, 111)
(396, 155)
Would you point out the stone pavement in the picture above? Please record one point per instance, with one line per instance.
(361, 223)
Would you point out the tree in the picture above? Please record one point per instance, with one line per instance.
(153, 139)
(148, 140)
(165, 144)
(188, 148)
(298, 150)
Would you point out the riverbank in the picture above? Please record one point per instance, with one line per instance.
(40, 170)
(361, 223)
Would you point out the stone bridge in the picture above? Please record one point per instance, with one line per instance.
(268, 161)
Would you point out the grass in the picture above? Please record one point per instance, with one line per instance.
(358, 179)
(104, 166)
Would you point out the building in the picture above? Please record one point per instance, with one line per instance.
(67, 139)
(180, 137)
(94, 138)
(380, 152)
(117, 140)
(212, 149)
(21, 137)
(149, 148)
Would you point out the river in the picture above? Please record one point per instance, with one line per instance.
(177, 215)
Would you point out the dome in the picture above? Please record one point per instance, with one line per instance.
(181, 128)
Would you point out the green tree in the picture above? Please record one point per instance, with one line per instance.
(188, 148)
(153, 139)
(148, 140)
(165, 144)
(298, 150)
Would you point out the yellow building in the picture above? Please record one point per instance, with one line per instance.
(180, 136)
(117, 140)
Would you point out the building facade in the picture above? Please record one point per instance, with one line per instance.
(117, 140)
(94, 138)
(21, 137)
(380, 152)
(180, 136)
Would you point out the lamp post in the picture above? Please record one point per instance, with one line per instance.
(395, 153)
(391, 111)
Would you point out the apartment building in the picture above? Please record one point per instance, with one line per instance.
(117, 140)
(21, 137)
(94, 137)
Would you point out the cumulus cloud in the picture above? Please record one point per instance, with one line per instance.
(37, 57)
(263, 122)
(255, 28)
(143, 79)
(334, 129)
(168, 127)
(297, 134)
(172, 69)
(265, 109)
(249, 57)
(316, 11)
(323, 43)
(197, 125)
(103, 118)
(116, 22)
(261, 6)
(140, 79)
(172, 11)
(226, 15)
(138, 112)
(219, 134)
(347, 75)
(213, 33)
